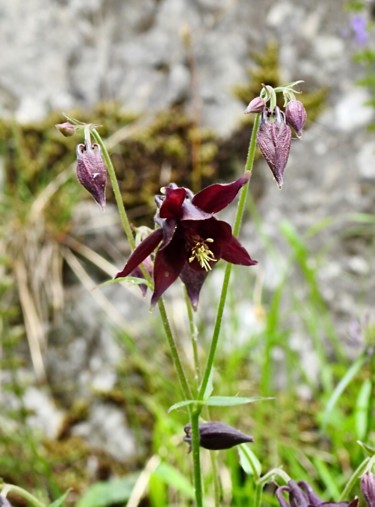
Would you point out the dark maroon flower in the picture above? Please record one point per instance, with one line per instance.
(91, 171)
(368, 488)
(215, 436)
(274, 138)
(190, 240)
(300, 494)
(295, 116)
(255, 106)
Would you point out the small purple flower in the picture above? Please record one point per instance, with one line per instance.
(274, 139)
(189, 240)
(358, 25)
(91, 171)
(300, 494)
(368, 488)
(255, 106)
(67, 129)
(295, 116)
(215, 436)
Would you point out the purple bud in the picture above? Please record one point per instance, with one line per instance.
(368, 488)
(295, 116)
(216, 435)
(91, 171)
(67, 129)
(274, 139)
(255, 106)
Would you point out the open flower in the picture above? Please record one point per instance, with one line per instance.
(189, 240)
(300, 494)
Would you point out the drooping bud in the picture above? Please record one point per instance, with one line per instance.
(91, 171)
(67, 129)
(302, 495)
(295, 116)
(274, 139)
(368, 488)
(255, 106)
(217, 435)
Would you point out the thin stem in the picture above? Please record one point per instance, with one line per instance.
(236, 228)
(130, 237)
(21, 492)
(193, 336)
(217, 486)
(116, 189)
(354, 478)
(185, 388)
(196, 457)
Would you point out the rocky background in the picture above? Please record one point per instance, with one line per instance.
(59, 54)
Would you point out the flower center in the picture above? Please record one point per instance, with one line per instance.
(201, 252)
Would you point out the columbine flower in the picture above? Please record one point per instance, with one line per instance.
(301, 495)
(91, 171)
(274, 138)
(216, 435)
(190, 240)
(368, 488)
(295, 116)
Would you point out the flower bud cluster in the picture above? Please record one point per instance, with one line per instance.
(91, 171)
(275, 131)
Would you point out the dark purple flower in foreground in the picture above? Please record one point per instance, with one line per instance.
(190, 240)
(274, 139)
(91, 171)
(300, 494)
(295, 116)
(216, 436)
(368, 488)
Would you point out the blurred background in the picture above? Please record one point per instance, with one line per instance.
(82, 405)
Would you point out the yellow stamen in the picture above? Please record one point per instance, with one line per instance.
(203, 254)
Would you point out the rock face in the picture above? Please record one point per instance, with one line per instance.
(150, 54)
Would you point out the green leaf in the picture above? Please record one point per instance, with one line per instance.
(362, 409)
(232, 401)
(209, 387)
(248, 461)
(341, 386)
(60, 501)
(175, 479)
(220, 401)
(102, 494)
(184, 403)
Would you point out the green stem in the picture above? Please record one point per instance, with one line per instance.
(193, 336)
(236, 228)
(185, 388)
(194, 418)
(7, 488)
(354, 478)
(116, 189)
(130, 237)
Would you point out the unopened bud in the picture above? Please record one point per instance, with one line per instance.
(91, 171)
(67, 129)
(255, 106)
(368, 488)
(216, 435)
(295, 116)
(274, 139)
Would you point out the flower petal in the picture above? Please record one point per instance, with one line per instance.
(232, 251)
(217, 196)
(193, 280)
(172, 204)
(142, 251)
(168, 264)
